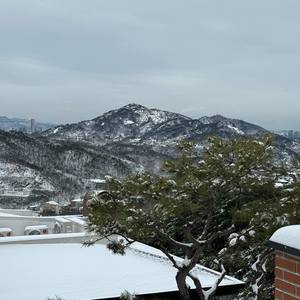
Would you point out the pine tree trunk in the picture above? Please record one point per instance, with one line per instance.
(199, 289)
(181, 284)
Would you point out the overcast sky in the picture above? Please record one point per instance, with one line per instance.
(70, 60)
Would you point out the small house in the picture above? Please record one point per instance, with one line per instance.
(50, 208)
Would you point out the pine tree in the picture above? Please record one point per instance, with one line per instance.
(201, 199)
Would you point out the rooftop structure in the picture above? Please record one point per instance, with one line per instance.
(286, 242)
(81, 273)
(25, 222)
(96, 184)
(43, 257)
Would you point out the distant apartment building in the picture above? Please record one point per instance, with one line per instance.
(96, 184)
(291, 134)
(32, 125)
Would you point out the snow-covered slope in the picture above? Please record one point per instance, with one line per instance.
(43, 165)
(134, 123)
(140, 126)
(15, 177)
(131, 138)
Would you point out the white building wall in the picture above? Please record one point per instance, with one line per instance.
(19, 212)
(18, 224)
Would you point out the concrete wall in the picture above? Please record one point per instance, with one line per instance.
(19, 212)
(63, 238)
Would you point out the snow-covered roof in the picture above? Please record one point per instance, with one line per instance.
(97, 180)
(288, 236)
(70, 271)
(36, 227)
(52, 203)
(77, 200)
(5, 230)
(97, 192)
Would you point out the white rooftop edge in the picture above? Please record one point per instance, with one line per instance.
(45, 239)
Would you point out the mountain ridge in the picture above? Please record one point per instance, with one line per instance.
(136, 121)
(132, 138)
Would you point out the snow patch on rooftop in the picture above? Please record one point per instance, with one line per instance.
(128, 122)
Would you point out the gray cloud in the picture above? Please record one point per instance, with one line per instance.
(70, 60)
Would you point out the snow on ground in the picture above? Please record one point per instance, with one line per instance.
(237, 130)
(9, 193)
(38, 271)
(288, 236)
(13, 170)
(128, 122)
(18, 181)
(56, 130)
(97, 180)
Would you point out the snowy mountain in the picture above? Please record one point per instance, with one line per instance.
(125, 124)
(18, 124)
(132, 138)
(34, 166)
(136, 123)
(140, 126)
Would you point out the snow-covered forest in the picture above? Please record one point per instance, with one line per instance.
(56, 163)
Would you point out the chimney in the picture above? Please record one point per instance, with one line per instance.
(286, 243)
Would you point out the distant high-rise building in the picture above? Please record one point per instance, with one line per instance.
(291, 134)
(32, 123)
